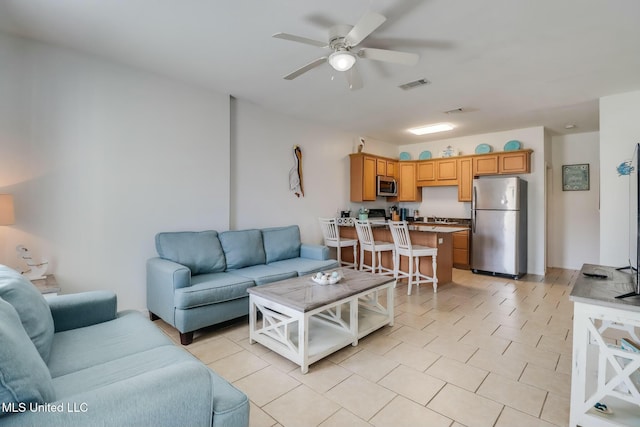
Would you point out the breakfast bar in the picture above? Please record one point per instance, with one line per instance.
(434, 236)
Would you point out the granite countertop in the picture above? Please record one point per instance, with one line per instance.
(432, 227)
(603, 291)
(436, 228)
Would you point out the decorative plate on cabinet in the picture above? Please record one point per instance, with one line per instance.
(512, 145)
(483, 149)
(425, 155)
(405, 156)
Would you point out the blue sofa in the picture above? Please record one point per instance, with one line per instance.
(73, 360)
(201, 278)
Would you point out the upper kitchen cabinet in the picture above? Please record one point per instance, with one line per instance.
(506, 162)
(437, 172)
(386, 167)
(408, 190)
(363, 177)
(515, 162)
(465, 178)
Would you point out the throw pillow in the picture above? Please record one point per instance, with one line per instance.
(32, 308)
(24, 377)
(200, 251)
(281, 243)
(242, 248)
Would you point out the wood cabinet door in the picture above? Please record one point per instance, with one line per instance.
(426, 171)
(461, 249)
(446, 170)
(485, 165)
(391, 168)
(369, 179)
(515, 162)
(408, 190)
(465, 179)
(381, 167)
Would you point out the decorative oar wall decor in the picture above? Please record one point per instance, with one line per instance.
(295, 174)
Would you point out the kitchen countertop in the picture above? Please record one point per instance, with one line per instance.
(420, 226)
(436, 228)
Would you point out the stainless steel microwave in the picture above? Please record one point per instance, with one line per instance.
(386, 186)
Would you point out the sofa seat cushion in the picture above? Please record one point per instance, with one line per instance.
(118, 369)
(281, 243)
(263, 274)
(82, 348)
(304, 266)
(212, 288)
(24, 377)
(31, 307)
(200, 251)
(242, 248)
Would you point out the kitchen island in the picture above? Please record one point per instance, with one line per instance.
(435, 236)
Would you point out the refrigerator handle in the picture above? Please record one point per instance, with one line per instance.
(473, 210)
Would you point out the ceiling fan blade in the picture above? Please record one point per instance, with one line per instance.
(300, 39)
(305, 68)
(353, 78)
(365, 26)
(404, 58)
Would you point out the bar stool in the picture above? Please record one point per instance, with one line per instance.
(402, 241)
(368, 243)
(332, 238)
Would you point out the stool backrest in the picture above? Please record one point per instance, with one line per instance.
(400, 234)
(365, 234)
(330, 232)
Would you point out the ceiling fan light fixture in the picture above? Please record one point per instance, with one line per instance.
(439, 127)
(342, 60)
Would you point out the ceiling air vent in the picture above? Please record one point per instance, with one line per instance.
(414, 84)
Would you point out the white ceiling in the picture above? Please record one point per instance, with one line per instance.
(508, 63)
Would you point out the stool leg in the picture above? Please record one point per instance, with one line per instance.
(361, 259)
(355, 261)
(435, 277)
(410, 275)
(339, 253)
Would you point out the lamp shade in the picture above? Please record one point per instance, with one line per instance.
(7, 215)
(342, 60)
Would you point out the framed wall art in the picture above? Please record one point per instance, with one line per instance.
(575, 177)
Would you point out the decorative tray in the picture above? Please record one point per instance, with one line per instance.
(324, 278)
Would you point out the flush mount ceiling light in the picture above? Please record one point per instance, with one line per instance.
(342, 60)
(423, 130)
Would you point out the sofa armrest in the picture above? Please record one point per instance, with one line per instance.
(318, 252)
(163, 278)
(179, 394)
(82, 309)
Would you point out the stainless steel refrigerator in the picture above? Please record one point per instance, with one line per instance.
(499, 226)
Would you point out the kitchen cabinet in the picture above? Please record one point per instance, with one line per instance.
(506, 162)
(461, 250)
(485, 165)
(385, 167)
(437, 172)
(426, 171)
(363, 177)
(512, 162)
(465, 179)
(408, 190)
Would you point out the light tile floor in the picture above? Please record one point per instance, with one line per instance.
(483, 351)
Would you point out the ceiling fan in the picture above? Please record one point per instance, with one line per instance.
(342, 41)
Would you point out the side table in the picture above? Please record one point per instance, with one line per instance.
(48, 285)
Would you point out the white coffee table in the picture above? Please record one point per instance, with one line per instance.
(304, 321)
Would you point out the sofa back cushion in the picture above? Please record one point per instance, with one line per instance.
(200, 251)
(242, 248)
(32, 309)
(281, 243)
(24, 377)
